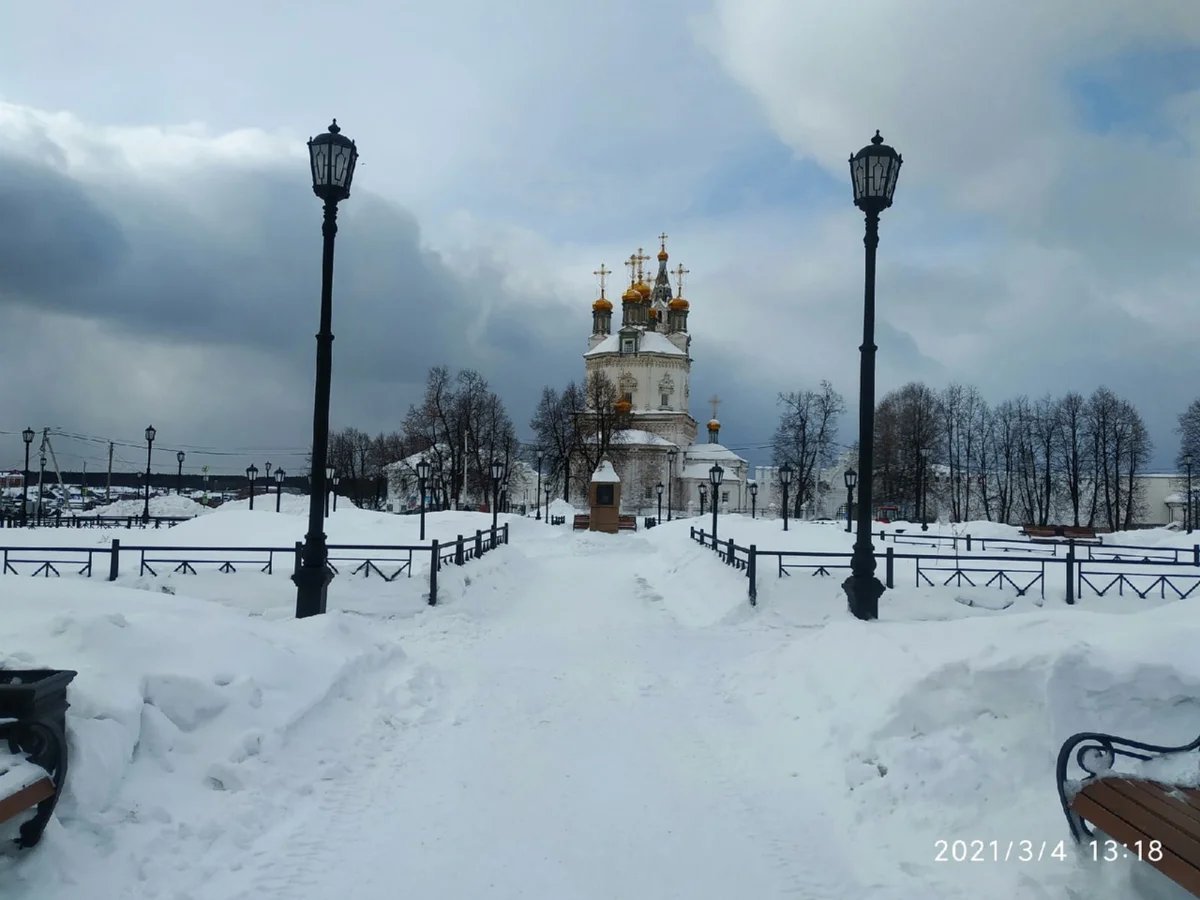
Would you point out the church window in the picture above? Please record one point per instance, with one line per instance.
(628, 345)
(666, 401)
(724, 496)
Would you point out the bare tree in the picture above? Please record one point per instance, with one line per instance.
(910, 424)
(1074, 450)
(603, 415)
(804, 438)
(554, 426)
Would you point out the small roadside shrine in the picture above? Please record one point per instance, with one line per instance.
(604, 497)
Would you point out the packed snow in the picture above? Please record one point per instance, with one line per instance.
(582, 715)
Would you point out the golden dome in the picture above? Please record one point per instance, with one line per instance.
(662, 255)
(631, 295)
(602, 303)
(642, 288)
(678, 303)
(714, 425)
(653, 314)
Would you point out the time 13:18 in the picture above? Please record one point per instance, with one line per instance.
(1110, 850)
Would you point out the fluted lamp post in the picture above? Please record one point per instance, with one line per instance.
(279, 476)
(671, 455)
(336, 479)
(537, 496)
(332, 158)
(785, 479)
(41, 486)
(252, 476)
(924, 488)
(873, 173)
(715, 474)
(851, 479)
(753, 499)
(423, 468)
(1187, 510)
(179, 456)
(658, 489)
(703, 496)
(27, 436)
(547, 489)
(330, 472)
(497, 473)
(150, 434)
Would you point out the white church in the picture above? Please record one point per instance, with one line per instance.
(648, 357)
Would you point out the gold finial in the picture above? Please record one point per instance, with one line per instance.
(603, 273)
(715, 401)
(641, 258)
(632, 263)
(662, 247)
(679, 271)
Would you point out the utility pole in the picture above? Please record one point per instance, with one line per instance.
(108, 483)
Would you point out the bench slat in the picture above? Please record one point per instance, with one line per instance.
(26, 798)
(1125, 820)
(1176, 811)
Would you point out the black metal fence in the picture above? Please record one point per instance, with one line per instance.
(388, 561)
(1120, 567)
(59, 520)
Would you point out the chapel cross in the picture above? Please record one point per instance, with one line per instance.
(662, 239)
(715, 401)
(603, 273)
(679, 272)
(632, 263)
(641, 258)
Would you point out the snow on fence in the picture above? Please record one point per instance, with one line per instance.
(1120, 567)
(388, 561)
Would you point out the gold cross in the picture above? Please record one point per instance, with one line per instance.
(641, 258)
(632, 263)
(715, 401)
(662, 239)
(602, 272)
(679, 271)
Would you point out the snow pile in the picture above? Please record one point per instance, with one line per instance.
(582, 715)
(160, 505)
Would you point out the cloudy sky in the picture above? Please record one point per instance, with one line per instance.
(160, 260)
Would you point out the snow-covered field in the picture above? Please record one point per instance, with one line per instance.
(581, 716)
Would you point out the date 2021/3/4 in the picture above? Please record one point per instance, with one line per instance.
(1036, 851)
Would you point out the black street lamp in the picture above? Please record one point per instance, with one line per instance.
(27, 435)
(336, 479)
(671, 454)
(547, 504)
(150, 433)
(423, 468)
(753, 499)
(715, 474)
(279, 476)
(873, 173)
(332, 158)
(329, 473)
(497, 474)
(703, 496)
(924, 488)
(1187, 510)
(538, 493)
(785, 479)
(179, 474)
(252, 475)
(658, 489)
(851, 479)
(268, 472)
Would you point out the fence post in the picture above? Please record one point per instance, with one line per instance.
(752, 574)
(478, 543)
(506, 524)
(296, 563)
(492, 546)
(729, 554)
(1070, 573)
(458, 552)
(433, 570)
(968, 543)
(1196, 555)
(114, 560)
(890, 568)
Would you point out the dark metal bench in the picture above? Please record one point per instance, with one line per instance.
(33, 706)
(558, 520)
(1140, 818)
(626, 523)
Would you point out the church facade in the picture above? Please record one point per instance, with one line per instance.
(646, 353)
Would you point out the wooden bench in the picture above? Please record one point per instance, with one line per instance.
(1155, 822)
(626, 523)
(1081, 534)
(22, 787)
(1040, 533)
(582, 521)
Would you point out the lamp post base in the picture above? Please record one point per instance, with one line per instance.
(312, 587)
(863, 593)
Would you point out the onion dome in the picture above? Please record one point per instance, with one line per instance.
(678, 303)
(662, 255)
(653, 314)
(714, 425)
(631, 295)
(643, 289)
(602, 304)
(622, 406)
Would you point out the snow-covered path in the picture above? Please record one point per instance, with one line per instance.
(592, 752)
